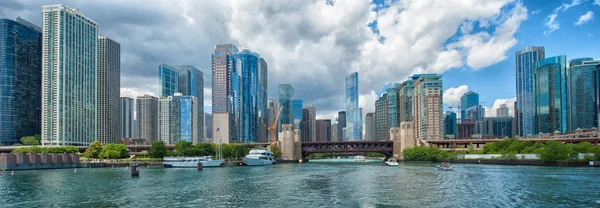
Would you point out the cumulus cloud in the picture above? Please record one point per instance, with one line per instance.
(585, 18)
(452, 95)
(597, 2)
(510, 103)
(551, 19)
(309, 44)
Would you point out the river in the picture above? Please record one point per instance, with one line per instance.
(318, 183)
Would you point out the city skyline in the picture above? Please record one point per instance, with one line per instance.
(527, 29)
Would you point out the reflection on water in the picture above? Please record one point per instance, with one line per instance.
(318, 183)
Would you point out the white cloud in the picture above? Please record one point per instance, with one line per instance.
(510, 103)
(534, 12)
(134, 92)
(585, 18)
(551, 19)
(452, 95)
(597, 2)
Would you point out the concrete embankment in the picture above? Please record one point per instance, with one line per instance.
(38, 161)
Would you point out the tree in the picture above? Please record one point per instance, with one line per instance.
(93, 151)
(276, 151)
(113, 151)
(29, 140)
(554, 151)
(158, 149)
(181, 146)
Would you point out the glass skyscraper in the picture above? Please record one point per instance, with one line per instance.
(69, 79)
(581, 109)
(467, 100)
(382, 132)
(126, 107)
(353, 130)
(286, 95)
(450, 124)
(551, 95)
(226, 93)
(405, 101)
(263, 113)
(341, 125)
(525, 61)
(190, 120)
(393, 106)
(297, 113)
(169, 120)
(251, 95)
(146, 118)
(428, 99)
(20, 80)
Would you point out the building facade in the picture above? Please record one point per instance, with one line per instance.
(341, 125)
(169, 118)
(370, 126)
(226, 92)
(502, 111)
(525, 64)
(251, 97)
(500, 127)
(467, 100)
(334, 137)
(264, 110)
(286, 96)
(109, 90)
(146, 117)
(126, 107)
(297, 113)
(464, 130)
(312, 121)
(305, 126)
(353, 130)
(69, 117)
(323, 130)
(190, 119)
(551, 95)
(393, 106)
(381, 118)
(428, 99)
(273, 108)
(20, 80)
(405, 101)
(581, 111)
(450, 125)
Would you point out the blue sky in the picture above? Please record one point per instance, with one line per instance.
(498, 80)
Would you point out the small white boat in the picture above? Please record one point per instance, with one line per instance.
(190, 162)
(259, 157)
(444, 167)
(359, 158)
(391, 162)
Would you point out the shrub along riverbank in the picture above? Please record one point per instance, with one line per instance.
(550, 151)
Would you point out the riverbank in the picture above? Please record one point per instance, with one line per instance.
(529, 163)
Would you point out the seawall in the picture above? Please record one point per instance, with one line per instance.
(9, 161)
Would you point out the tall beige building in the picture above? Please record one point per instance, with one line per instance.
(428, 115)
(146, 114)
(312, 122)
(109, 84)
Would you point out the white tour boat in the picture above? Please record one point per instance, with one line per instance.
(259, 157)
(391, 162)
(359, 158)
(190, 162)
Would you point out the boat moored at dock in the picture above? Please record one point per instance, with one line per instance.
(258, 157)
(190, 162)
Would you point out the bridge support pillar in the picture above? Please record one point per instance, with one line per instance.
(403, 137)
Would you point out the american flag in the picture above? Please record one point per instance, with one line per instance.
(217, 130)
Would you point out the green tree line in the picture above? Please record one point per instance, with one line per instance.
(47, 150)
(550, 151)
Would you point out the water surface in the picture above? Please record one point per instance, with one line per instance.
(318, 183)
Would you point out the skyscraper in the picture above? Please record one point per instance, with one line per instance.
(69, 116)
(450, 125)
(341, 125)
(273, 108)
(304, 126)
(108, 91)
(264, 114)
(381, 118)
(187, 80)
(226, 93)
(146, 117)
(525, 62)
(405, 101)
(393, 106)
(353, 129)
(208, 126)
(334, 128)
(190, 120)
(169, 120)
(20, 80)
(550, 95)
(428, 107)
(370, 126)
(502, 111)
(499, 127)
(251, 97)
(323, 130)
(467, 100)
(312, 118)
(126, 107)
(581, 111)
(286, 95)
(297, 113)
